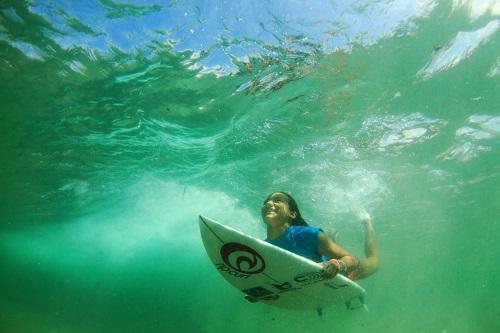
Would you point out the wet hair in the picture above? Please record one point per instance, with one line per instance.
(298, 220)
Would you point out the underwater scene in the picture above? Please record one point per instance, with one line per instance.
(124, 120)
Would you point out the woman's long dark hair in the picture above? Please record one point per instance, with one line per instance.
(298, 220)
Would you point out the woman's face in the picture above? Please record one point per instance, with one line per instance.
(276, 209)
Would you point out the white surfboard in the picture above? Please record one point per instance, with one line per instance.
(272, 275)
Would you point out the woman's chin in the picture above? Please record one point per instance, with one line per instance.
(268, 219)
(269, 215)
(273, 220)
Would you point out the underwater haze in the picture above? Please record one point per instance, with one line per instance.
(122, 121)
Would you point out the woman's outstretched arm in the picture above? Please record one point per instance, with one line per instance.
(351, 266)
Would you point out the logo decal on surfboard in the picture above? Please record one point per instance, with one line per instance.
(309, 278)
(242, 258)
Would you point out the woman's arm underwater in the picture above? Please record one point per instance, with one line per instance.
(345, 263)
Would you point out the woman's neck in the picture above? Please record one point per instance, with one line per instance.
(274, 232)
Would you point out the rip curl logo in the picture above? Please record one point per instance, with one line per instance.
(309, 278)
(242, 258)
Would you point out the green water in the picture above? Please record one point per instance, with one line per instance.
(122, 121)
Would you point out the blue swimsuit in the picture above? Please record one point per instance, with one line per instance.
(300, 240)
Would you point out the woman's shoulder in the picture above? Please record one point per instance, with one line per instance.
(310, 230)
(304, 227)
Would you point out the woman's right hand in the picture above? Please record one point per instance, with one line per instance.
(363, 215)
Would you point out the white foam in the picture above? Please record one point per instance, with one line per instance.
(394, 132)
(463, 151)
(478, 128)
(461, 47)
(478, 8)
(495, 68)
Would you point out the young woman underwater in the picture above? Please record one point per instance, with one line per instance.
(287, 229)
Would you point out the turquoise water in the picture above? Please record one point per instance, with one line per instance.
(122, 121)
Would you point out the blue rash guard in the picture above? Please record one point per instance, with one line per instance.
(300, 240)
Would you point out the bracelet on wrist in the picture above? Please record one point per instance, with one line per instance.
(341, 266)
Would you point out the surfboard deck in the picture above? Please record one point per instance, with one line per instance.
(271, 275)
